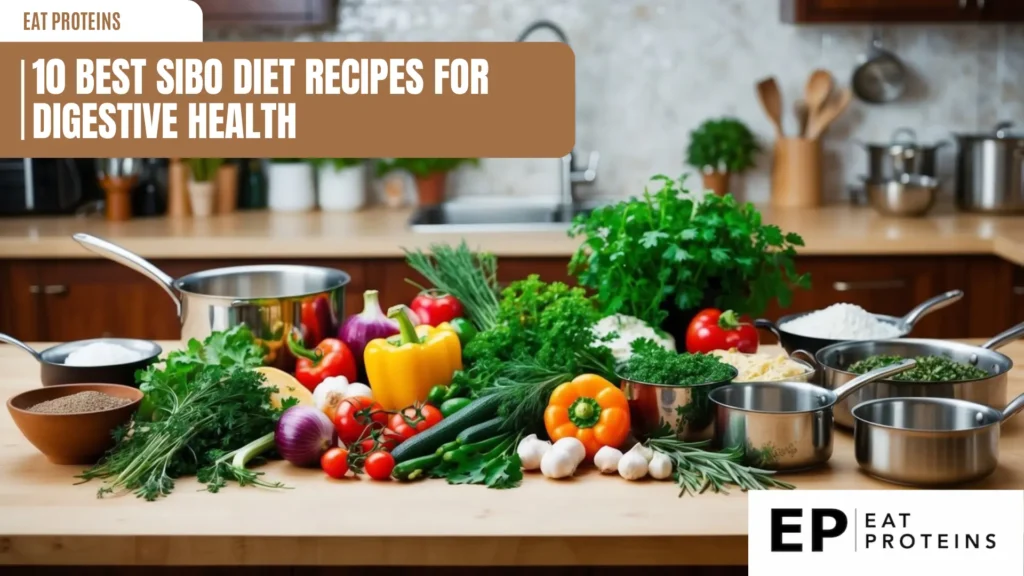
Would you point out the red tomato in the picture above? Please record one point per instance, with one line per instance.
(379, 465)
(335, 462)
(433, 307)
(414, 419)
(385, 439)
(355, 416)
(713, 329)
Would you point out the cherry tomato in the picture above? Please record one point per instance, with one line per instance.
(379, 465)
(385, 440)
(357, 414)
(434, 307)
(414, 419)
(713, 329)
(335, 462)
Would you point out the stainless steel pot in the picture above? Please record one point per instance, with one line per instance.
(685, 410)
(990, 171)
(902, 155)
(272, 300)
(929, 441)
(991, 391)
(783, 425)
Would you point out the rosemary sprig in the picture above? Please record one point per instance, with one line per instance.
(697, 470)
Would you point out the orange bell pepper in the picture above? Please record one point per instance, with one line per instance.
(591, 409)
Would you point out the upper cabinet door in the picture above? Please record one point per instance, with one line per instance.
(267, 13)
(1001, 10)
(839, 11)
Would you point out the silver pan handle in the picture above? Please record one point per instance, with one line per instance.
(931, 305)
(1005, 337)
(15, 342)
(130, 259)
(877, 374)
(1015, 405)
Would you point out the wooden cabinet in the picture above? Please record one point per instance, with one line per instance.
(267, 13)
(910, 11)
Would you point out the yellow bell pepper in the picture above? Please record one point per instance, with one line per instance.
(402, 370)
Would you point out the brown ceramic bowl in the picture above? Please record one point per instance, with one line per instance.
(72, 438)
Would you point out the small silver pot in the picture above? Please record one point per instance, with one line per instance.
(990, 391)
(271, 300)
(902, 155)
(990, 171)
(929, 441)
(685, 410)
(783, 425)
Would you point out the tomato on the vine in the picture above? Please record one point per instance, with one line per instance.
(414, 419)
(379, 465)
(713, 329)
(385, 439)
(334, 462)
(355, 417)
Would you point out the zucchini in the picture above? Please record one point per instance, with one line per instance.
(415, 468)
(427, 442)
(482, 431)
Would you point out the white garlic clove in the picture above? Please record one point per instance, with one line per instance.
(607, 459)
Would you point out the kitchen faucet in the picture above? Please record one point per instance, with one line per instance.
(571, 173)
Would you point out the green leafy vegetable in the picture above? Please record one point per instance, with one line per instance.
(207, 403)
(674, 248)
(928, 369)
(723, 145)
(495, 465)
(655, 365)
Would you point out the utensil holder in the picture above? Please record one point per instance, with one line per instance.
(796, 173)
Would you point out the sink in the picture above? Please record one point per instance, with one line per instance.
(495, 215)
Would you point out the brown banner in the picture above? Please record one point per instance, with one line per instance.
(474, 100)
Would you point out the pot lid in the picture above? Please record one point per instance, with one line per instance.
(902, 139)
(1002, 131)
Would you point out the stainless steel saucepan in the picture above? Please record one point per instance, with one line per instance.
(784, 425)
(990, 391)
(272, 300)
(929, 441)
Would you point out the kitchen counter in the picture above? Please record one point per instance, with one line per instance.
(381, 233)
(593, 519)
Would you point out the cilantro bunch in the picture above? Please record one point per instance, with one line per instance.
(676, 248)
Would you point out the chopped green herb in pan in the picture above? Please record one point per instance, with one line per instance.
(928, 369)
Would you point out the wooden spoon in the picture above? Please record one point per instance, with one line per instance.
(771, 100)
(800, 112)
(816, 93)
(831, 110)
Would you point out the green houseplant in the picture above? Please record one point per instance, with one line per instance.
(666, 255)
(430, 174)
(721, 147)
(202, 185)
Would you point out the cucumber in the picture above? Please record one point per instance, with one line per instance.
(482, 431)
(427, 442)
(415, 468)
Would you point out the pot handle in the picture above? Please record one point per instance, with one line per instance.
(1005, 337)
(20, 344)
(1002, 128)
(877, 374)
(765, 324)
(931, 305)
(1015, 406)
(118, 254)
(806, 357)
(895, 138)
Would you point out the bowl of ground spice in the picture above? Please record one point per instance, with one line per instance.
(73, 423)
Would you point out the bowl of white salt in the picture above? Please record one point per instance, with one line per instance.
(108, 360)
(843, 322)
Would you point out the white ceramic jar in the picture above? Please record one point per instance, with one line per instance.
(290, 187)
(202, 197)
(342, 190)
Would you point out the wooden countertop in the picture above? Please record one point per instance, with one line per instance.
(379, 233)
(592, 519)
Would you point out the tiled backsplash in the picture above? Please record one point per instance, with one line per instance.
(649, 71)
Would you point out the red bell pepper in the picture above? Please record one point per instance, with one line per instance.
(330, 358)
(713, 329)
(433, 307)
(316, 320)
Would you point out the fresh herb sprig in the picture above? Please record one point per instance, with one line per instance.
(674, 247)
(469, 276)
(653, 364)
(697, 470)
(492, 462)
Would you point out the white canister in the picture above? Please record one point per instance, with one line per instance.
(344, 189)
(290, 187)
(201, 196)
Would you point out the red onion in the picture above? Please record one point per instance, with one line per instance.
(303, 434)
(370, 324)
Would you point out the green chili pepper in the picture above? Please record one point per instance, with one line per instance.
(437, 395)
(465, 329)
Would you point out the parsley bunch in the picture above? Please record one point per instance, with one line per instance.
(655, 365)
(673, 247)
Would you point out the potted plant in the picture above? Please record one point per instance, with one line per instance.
(666, 255)
(719, 148)
(290, 185)
(201, 185)
(341, 183)
(430, 174)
